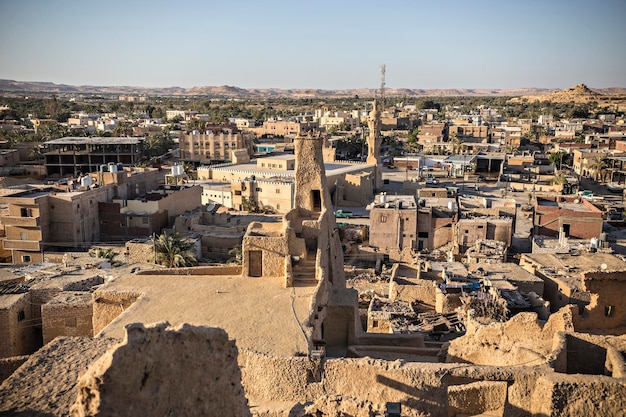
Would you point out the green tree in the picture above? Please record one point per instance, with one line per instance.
(107, 253)
(599, 165)
(175, 251)
(412, 140)
(122, 129)
(237, 255)
(457, 142)
(559, 158)
(195, 124)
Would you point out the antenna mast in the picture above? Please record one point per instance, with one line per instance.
(382, 86)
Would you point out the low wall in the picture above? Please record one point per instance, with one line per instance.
(422, 388)
(107, 305)
(413, 290)
(9, 365)
(199, 270)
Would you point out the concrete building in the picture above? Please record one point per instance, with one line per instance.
(350, 183)
(148, 213)
(39, 219)
(484, 219)
(575, 216)
(36, 219)
(285, 127)
(71, 155)
(216, 143)
(393, 224)
(9, 157)
(585, 162)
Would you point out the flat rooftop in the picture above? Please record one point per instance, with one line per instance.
(94, 141)
(333, 168)
(256, 312)
(508, 271)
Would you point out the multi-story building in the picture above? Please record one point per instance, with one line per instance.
(285, 127)
(393, 224)
(148, 213)
(214, 144)
(467, 130)
(267, 183)
(74, 155)
(37, 219)
(185, 115)
(587, 162)
(484, 219)
(576, 217)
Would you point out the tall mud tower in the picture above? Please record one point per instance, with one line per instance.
(311, 192)
(373, 144)
(312, 199)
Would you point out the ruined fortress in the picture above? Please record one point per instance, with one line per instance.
(281, 335)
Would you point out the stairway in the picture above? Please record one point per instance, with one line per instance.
(304, 271)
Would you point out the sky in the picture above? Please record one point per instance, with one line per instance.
(315, 44)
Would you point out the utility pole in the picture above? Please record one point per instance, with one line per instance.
(154, 245)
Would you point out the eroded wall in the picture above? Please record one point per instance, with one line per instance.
(162, 371)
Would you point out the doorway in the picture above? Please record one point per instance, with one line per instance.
(255, 263)
(316, 200)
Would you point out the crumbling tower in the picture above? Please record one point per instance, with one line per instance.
(310, 191)
(334, 315)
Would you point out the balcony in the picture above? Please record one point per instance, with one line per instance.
(9, 244)
(21, 221)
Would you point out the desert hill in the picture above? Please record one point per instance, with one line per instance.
(14, 87)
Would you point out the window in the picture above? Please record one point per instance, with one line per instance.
(278, 191)
(422, 234)
(70, 322)
(26, 212)
(383, 218)
(23, 235)
(25, 258)
(259, 189)
(608, 311)
(145, 220)
(481, 227)
(21, 316)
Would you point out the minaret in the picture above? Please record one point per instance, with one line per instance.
(373, 144)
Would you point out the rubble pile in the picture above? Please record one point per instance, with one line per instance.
(487, 306)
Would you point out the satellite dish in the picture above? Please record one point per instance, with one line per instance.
(603, 267)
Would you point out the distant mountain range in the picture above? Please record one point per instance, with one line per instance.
(12, 86)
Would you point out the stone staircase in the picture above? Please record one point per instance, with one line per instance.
(304, 271)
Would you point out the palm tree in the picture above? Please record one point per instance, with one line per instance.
(457, 143)
(237, 255)
(559, 157)
(599, 165)
(102, 253)
(174, 251)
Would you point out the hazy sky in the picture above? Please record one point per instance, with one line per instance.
(315, 44)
